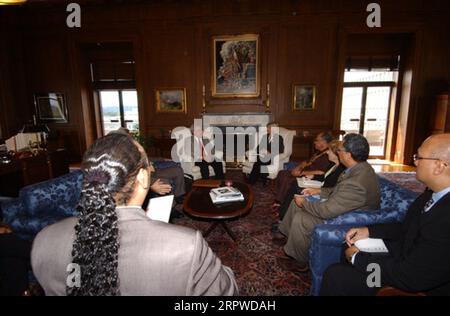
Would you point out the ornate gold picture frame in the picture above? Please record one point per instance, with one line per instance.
(304, 97)
(235, 66)
(171, 100)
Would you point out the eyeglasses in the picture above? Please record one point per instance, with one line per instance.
(417, 157)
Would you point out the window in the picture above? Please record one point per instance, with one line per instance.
(119, 108)
(366, 101)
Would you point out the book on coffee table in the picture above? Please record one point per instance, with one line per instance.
(225, 194)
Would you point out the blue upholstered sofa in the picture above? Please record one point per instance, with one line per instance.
(42, 204)
(327, 238)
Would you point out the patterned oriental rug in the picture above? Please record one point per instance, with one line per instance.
(253, 256)
(404, 179)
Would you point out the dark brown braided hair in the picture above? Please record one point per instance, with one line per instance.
(110, 167)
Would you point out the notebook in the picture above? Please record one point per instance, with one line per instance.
(159, 208)
(372, 245)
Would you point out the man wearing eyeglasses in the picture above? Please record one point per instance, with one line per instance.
(356, 188)
(419, 247)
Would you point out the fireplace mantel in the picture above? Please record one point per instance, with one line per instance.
(236, 119)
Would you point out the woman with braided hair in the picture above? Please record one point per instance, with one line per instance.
(113, 248)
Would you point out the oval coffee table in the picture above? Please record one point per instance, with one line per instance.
(198, 205)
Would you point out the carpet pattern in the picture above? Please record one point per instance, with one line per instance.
(253, 256)
(404, 179)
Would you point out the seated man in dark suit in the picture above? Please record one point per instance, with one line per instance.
(419, 248)
(275, 146)
(14, 262)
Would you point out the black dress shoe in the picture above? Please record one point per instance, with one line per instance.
(275, 227)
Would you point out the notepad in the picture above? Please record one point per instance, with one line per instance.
(309, 198)
(308, 183)
(372, 245)
(159, 208)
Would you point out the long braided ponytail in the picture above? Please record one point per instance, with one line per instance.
(110, 168)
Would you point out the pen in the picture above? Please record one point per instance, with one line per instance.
(345, 241)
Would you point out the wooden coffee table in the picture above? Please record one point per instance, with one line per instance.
(198, 205)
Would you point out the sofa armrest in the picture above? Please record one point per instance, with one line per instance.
(331, 235)
(365, 217)
(11, 210)
(326, 248)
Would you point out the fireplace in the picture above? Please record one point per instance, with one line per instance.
(235, 130)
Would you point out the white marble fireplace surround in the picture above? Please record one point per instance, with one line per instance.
(235, 119)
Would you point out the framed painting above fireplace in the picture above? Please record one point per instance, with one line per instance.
(235, 66)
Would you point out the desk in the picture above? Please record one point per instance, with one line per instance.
(21, 172)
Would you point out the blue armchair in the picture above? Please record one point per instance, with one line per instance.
(42, 204)
(327, 238)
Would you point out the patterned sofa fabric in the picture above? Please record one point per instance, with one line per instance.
(42, 204)
(327, 239)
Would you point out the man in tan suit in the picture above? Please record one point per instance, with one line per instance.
(357, 188)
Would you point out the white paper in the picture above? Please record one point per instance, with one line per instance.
(159, 208)
(371, 245)
(308, 183)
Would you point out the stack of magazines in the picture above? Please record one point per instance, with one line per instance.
(225, 194)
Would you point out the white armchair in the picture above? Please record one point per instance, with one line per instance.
(274, 168)
(184, 157)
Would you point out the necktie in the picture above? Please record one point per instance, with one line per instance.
(427, 205)
(201, 148)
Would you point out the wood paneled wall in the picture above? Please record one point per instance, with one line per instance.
(301, 42)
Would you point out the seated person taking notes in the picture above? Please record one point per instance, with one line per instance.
(419, 256)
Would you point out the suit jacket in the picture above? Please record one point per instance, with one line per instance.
(419, 249)
(356, 189)
(155, 258)
(318, 162)
(276, 141)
